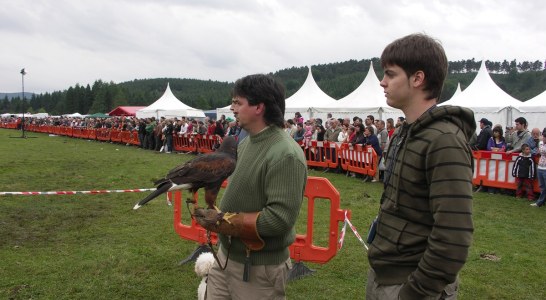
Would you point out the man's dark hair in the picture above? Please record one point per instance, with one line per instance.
(264, 89)
(419, 52)
(522, 121)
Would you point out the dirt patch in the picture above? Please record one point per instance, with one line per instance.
(489, 256)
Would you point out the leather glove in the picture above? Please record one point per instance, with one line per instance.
(241, 225)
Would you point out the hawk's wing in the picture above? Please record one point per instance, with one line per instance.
(203, 171)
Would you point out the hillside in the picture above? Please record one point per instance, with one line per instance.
(521, 80)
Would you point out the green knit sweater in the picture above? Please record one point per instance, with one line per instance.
(270, 177)
(425, 223)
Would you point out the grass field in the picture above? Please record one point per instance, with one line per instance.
(97, 247)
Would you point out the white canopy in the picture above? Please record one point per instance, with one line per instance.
(534, 111)
(308, 97)
(368, 98)
(486, 99)
(457, 91)
(169, 106)
(74, 115)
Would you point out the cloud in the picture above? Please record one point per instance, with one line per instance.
(63, 42)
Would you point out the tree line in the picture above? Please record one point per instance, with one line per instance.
(522, 80)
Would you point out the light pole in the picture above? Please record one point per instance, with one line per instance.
(23, 73)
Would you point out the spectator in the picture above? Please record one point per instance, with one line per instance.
(519, 137)
(382, 134)
(320, 132)
(485, 134)
(424, 227)
(168, 133)
(142, 133)
(298, 118)
(370, 121)
(219, 129)
(524, 170)
(496, 143)
(534, 141)
(309, 129)
(359, 138)
(300, 133)
(390, 127)
(150, 126)
(400, 121)
(290, 128)
(333, 131)
(541, 172)
(373, 141)
(344, 134)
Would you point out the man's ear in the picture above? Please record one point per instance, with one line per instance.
(260, 108)
(418, 79)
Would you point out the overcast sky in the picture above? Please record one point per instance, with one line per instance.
(65, 42)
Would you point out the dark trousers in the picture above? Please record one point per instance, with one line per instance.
(525, 184)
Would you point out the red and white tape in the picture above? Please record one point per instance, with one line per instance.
(342, 235)
(74, 192)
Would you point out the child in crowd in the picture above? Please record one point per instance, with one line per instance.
(524, 170)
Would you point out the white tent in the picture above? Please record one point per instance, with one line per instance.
(74, 115)
(457, 90)
(308, 97)
(368, 98)
(169, 106)
(534, 111)
(486, 99)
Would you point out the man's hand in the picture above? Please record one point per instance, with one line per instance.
(208, 218)
(241, 225)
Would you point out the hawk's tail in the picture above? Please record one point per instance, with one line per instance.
(160, 190)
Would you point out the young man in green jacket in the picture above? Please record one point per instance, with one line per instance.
(424, 226)
(265, 193)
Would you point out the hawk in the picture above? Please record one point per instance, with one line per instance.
(206, 171)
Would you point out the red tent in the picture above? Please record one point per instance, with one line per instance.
(125, 110)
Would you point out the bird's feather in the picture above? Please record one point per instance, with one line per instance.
(206, 171)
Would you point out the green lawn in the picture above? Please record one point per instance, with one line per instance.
(97, 247)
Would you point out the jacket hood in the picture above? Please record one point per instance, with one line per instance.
(462, 117)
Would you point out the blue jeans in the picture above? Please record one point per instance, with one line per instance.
(541, 174)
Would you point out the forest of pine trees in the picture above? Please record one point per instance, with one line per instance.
(522, 80)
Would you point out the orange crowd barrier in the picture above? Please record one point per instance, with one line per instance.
(115, 135)
(491, 169)
(205, 143)
(103, 134)
(359, 159)
(185, 143)
(303, 248)
(494, 169)
(315, 154)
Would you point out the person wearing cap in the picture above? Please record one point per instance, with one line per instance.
(541, 171)
(485, 134)
(519, 137)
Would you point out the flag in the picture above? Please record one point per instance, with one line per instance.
(23, 71)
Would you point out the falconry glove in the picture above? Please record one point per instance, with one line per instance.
(241, 225)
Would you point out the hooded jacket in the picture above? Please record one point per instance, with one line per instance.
(425, 221)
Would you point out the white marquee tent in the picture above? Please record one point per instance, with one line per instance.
(169, 106)
(368, 98)
(486, 99)
(307, 98)
(534, 111)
